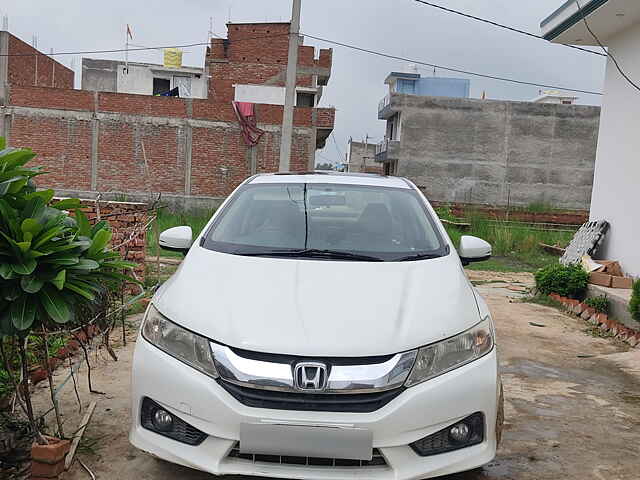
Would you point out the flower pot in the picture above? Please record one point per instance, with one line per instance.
(47, 461)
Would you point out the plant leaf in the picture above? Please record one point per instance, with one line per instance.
(31, 284)
(67, 260)
(23, 312)
(6, 271)
(11, 292)
(100, 241)
(45, 195)
(74, 288)
(24, 246)
(29, 225)
(34, 208)
(67, 204)
(27, 266)
(84, 227)
(55, 305)
(102, 224)
(85, 264)
(59, 279)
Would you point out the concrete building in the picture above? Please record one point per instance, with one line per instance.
(487, 151)
(193, 151)
(361, 158)
(616, 24)
(142, 78)
(555, 97)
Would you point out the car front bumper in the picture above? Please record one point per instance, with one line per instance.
(416, 413)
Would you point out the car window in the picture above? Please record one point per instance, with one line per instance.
(389, 223)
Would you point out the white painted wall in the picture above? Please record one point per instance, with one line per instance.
(139, 80)
(616, 189)
(264, 94)
(268, 94)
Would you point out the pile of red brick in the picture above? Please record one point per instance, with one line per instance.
(127, 221)
(599, 320)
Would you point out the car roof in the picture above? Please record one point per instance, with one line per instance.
(367, 179)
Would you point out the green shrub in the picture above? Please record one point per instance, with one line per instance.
(634, 304)
(599, 304)
(566, 280)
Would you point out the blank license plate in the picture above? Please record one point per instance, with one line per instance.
(306, 441)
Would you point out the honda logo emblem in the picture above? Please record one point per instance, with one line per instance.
(310, 376)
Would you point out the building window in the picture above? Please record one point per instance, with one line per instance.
(161, 85)
(304, 99)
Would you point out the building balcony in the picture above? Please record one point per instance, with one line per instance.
(387, 150)
(387, 107)
(323, 120)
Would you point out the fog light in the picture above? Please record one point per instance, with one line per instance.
(459, 432)
(463, 434)
(162, 420)
(155, 418)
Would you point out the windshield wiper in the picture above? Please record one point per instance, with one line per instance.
(418, 256)
(314, 253)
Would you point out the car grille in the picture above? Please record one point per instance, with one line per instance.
(377, 459)
(323, 402)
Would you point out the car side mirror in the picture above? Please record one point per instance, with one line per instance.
(177, 239)
(473, 249)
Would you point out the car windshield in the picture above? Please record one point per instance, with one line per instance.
(348, 222)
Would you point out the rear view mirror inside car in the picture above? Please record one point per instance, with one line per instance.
(327, 200)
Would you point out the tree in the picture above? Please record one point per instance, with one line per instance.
(52, 264)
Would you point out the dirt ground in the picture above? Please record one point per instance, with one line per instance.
(572, 400)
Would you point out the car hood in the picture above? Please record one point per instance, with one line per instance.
(318, 307)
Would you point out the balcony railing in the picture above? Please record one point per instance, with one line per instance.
(387, 150)
(384, 102)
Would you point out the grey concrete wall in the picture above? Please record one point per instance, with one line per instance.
(99, 75)
(498, 152)
(362, 157)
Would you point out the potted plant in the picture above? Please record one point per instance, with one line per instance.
(52, 267)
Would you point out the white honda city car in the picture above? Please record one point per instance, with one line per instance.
(320, 327)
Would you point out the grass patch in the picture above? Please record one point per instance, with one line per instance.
(516, 248)
(597, 333)
(501, 264)
(196, 220)
(543, 300)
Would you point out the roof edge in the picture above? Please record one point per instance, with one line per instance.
(574, 19)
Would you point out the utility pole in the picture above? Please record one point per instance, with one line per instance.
(290, 93)
(366, 154)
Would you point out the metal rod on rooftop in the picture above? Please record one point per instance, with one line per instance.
(290, 93)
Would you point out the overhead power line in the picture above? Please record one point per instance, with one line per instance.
(450, 69)
(611, 56)
(326, 40)
(506, 27)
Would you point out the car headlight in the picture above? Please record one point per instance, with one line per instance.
(447, 355)
(182, 344)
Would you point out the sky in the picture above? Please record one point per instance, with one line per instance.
(399, 27)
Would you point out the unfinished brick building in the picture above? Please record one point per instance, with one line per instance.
(191, 150)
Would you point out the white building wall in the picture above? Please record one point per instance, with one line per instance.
(616, 189)
(139, 79)
(264, 94)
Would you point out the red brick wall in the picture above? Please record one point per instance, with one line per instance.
(142, 105)
(122, 150)
(45, 97)
(141, 143)
(29, 67)
(63, 147)
(255, 54)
